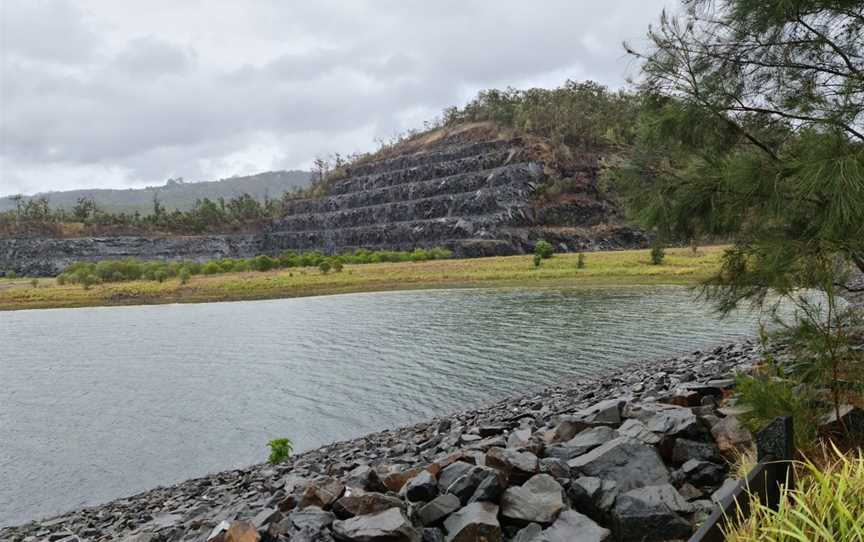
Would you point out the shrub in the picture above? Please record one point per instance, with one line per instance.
(826, 506)
(537, 259)
(184, 275)
(61, 279)
(543, 249)
(160, 275)
(87, 279)
(211, 268)
(658, 253)
(280, 450)
(34, 283)
(324, 266)
(580, 261)
(770, 396)
(337, 265)
(11, 275)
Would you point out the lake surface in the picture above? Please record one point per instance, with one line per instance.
(100, 403)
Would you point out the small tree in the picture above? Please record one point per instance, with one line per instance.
(280, 450)
(34, 283)
(544, 249)
(580, 261)
(184, 275)
(325, 266)
(537, 259)
(658, 253)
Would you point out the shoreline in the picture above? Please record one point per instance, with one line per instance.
(202, 503)
(605, 268)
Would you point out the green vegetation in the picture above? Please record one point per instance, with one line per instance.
(544, 249)
(826, 506)
(580, 261)
(130, 269)
(630, 267)
(657, 253)
(538, 259)
(280, 450)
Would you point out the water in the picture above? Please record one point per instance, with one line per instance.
(100, 403)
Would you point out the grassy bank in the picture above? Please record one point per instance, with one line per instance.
(631, 267)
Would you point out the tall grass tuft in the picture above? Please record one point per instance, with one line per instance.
(827, 505)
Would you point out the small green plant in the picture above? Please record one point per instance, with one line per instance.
(580, 261)
(544, 249)
(184, 275)
(61, 279)
(325, 266)
(337, 265)
(537, 259)
(88, 280)
(658, 253)
(34, 283)
(826, 505)
(160, 275)
(11, 275)
(280, 450)
(768, 396)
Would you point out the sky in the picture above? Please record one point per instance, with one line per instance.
(108, 94)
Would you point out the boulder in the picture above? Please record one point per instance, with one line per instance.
(240, 531)
(465, 486)
(452, 472)
(685, 450)
(604, 412)
(851, 417)
(591, 438)
(533, 532)
(438, 508)
(555, 467)
(571, 526)
(421, 488)
(391, 525)
(474, 523)
(730, 436)
(311, 518)
(593, 496)
(673, 421)
(361, 504)
(432, 534)
(636, 429)
(322, 493)
(625, 461)
(518, 466)
(641, 516)
(489, 490)
(366, 478)
(665, 494)
(539, 500)
(519, 438)
(394, 481)
(703, 473)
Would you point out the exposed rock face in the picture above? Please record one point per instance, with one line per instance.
(620, 488)
(474, 195)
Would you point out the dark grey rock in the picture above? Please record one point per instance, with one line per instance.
(539, 500)
(438, 508)
(593, 496)
(625, 461)
(571, 526)
(362, 503)
(465, 486)
(489, 490)
(685, 450)
(703, 473)
(636, 429)
(591, 438)
(421, 488)
(453, 472)
(476, 522)
(638, 517)
(518, 466)
(555, 467)
(391, 525)
(312, 518)
(432, 534)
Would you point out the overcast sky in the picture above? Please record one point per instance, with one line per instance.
(107, 93)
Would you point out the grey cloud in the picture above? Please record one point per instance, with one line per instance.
(307, 79)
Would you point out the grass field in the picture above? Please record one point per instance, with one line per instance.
(631, 267)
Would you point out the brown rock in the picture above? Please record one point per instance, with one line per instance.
(322, 493)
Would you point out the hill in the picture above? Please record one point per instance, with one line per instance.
(176, 194)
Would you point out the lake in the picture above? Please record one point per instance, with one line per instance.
(101, 403)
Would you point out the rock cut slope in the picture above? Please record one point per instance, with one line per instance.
(464, 189)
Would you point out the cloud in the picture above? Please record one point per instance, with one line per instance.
(106, 93)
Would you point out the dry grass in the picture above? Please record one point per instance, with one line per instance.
(630, 267)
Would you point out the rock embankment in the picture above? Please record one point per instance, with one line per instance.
(472, 192)
(635, 455)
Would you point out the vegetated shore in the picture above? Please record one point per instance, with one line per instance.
(611, 268)
(662, 416)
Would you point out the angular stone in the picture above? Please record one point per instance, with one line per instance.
(727, 488)
(604, 412)
(395, 480)
(438, 508)
(366, 478)
(532, 532)
(556, 468)
(571, 526)
(361, 504)
(685, 450)
(703, 473)
(312, 518)
(475, 523)
(851, 417)
(593, 496)
(591, 438)
(519, 438)
(432, 534)
(489, 490)
(491, 430)
(539, 500)
(636, 429)
(242, 531)
(636, 517)
(625, 461)
(672, 421)
(264, 517)
(518, 466)
(665, 494)
(322, 493)
(452, 472)
(421, 488)
(391, 525)
(730, 435)
(465, 486)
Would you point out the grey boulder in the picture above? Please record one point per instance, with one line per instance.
(539, 500)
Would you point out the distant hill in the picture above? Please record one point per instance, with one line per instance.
(176, 194)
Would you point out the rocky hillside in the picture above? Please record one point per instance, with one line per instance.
(640, 454)
(471, 189)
